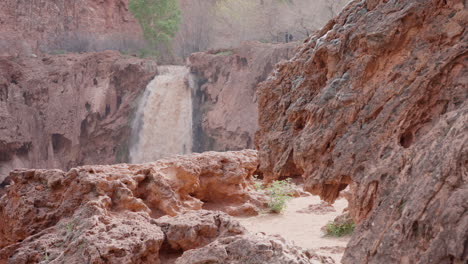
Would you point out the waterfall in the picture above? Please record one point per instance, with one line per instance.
(163, 121)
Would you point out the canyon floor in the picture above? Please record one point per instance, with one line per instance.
(301, 222)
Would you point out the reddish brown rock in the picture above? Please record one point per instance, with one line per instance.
(38, 199)
(33, 27)
(224, 103)
(196, 229)
(68, 110)
(378, 100)
(321, 209)
(251, 249)
(106, 214)
(94, 234)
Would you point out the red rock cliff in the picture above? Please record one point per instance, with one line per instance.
(378, 101)
(28, 27)
(67, 110)
(225, 81)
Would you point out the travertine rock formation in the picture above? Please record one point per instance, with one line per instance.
(165, 187)
(378, 100)
(196, 229)
(32, 27)
(224, 101)
(63, 111)
(107, 214)
(252, 249)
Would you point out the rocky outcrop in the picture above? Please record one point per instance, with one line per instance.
(377, 100)
(109, 214)
(249, 248)
(224, 102)
(63, 111)
(38, 199)
(196, 229)
(32, 27)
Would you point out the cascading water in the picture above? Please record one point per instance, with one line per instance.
(163, 122)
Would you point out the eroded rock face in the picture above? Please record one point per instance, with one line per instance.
(196, 229)
(92, 234)
(68, 110)
(38, 199)
(33, 27)
(224, 101)
(378, 100)
(109, 214)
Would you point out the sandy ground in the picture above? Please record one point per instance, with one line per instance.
(302, 226)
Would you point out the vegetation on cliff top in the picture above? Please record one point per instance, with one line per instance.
(159, 20)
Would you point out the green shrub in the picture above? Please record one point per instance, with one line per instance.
(339, 229)
(279, 192)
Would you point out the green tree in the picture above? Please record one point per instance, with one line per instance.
(159, 20)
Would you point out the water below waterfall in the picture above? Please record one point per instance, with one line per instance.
(163, 121)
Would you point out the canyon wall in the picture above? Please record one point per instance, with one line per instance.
(66, 110)
(224, 85)
(32, 27)
(378, 101)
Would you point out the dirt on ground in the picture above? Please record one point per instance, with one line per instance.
(301, 225)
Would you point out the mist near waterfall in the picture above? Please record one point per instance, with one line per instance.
(163, 121)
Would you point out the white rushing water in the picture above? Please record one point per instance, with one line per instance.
(163, 121)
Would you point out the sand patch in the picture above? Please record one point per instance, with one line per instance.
(301, 222)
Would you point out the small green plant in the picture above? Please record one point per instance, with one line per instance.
(340, 229)
(258, 185)
(69, 228)
(46, 256)
(279, 192)
(224, 53)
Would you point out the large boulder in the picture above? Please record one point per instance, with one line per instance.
(377, 101)
(196, 229)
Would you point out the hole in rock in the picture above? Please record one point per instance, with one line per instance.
(5, 156)
(84, 128)
(414, 227)
(107, 110)
(299, 124)
(24, 149)
(406, 139)
(59, 142)
(170, 256)
(119, 101)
